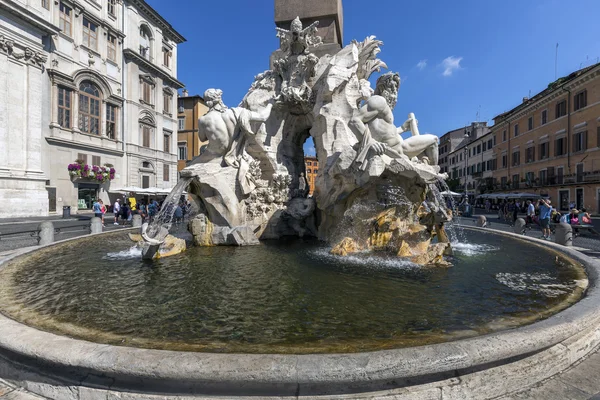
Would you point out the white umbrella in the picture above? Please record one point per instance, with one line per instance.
(450, 193)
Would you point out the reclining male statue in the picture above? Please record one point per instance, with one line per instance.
(373, 125)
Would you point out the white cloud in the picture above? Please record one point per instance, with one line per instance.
(451, 64)
(422, 64)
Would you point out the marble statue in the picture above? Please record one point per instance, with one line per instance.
(250, 183)
(373, 124)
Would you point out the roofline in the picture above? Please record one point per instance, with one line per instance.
(163, 23)
(196, 96)
(21, 12)
(552, 87)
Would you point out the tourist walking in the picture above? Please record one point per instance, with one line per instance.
(586, 218)
(530, 214)
(102, 210)
(117, 211)
(125, 211)
(545, 215)
(97, 209)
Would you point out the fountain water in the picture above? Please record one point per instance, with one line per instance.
(155, 232)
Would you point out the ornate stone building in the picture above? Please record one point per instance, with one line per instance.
(76, 108)
(25, 33)
(312, 170)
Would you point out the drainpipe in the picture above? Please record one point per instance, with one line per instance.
(568, 128)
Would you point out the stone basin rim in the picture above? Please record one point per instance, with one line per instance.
(283, 374)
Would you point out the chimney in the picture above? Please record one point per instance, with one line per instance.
(525, 99)
(185, 93)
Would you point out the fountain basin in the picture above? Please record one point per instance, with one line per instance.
(485, 366)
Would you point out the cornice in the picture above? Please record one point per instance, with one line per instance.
(155, 17)
(83, 146)
(32, 19)
(137, 58)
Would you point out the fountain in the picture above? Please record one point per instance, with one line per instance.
(343, 295)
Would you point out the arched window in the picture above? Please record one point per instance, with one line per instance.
(89, 108)
(145, 42)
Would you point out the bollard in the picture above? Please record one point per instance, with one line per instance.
(96, 225)
(563, 234)
(481, 221)
(136, 221)
(46, 233)
(519, 227)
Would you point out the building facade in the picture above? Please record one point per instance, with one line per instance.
(468, 164)
(550, 144)
(311, 165)
(26, 32)
(151, 85)
(189, 110)
(448, 143)
(77, 109)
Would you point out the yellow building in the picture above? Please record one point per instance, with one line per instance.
(189, 109)
(312, 169)
(550, 143)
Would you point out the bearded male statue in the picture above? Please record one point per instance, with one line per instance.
(373, 125)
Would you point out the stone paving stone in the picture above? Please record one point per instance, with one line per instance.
(20, 395)
(550, 390)
(584, 376)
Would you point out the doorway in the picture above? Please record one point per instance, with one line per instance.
(579, 198)
(86, 194)
(563, 200)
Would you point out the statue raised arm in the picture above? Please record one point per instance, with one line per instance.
(373, 125)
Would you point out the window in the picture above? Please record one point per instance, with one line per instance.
(516, 158)
(561, 109)
(165, 173)
(580, 141)
(543, 178)
(494, 140)
(560, 147)
(503, 182)
(96, 160)
(167, 142)
(308, 171)
(560, 177)
(516, 130)
(182, 151)
(64, 22)
(181, 121)
(46, 4)
(111, 50)
(580, 100)
(309, 163)
(530, 123)
(504, 135)
(550, 177)
(146, 92)
(111, 121)
(544, 150)
(315, 171)
(504, 160)
(146, 164)
(82, 157)
(145, 42)
(579, 173)
(146, 133)
(90, 34)
(64, 107)
(479, 148)
(515, 181)
(598, 136)
(111, 6)
(530, 154)
(544, 117)
(166, 57)
(530, 178)
(484, 146)
(145, 182)
(89, 108)
(167, 100)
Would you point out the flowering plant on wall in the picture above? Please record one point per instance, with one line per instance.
(93, 172)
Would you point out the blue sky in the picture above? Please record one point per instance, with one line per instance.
(455, 58)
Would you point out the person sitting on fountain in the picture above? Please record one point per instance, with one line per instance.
(373, 125)
(226, 129)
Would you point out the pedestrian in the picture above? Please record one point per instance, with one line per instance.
(97, 208)
(586, 218)
(515, 214)
(574, 217)
(488, 206)
(545, 215)
(117, 210)
(178, 214)
(530, 214)
(125, 212)
(102, 210)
